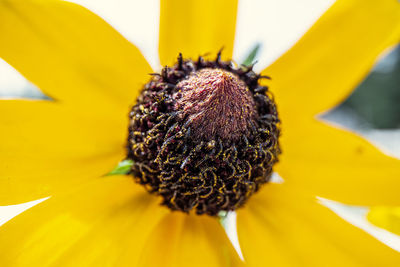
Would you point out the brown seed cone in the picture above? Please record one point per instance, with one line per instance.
(204, 135)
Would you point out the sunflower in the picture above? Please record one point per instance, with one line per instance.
(63, 147)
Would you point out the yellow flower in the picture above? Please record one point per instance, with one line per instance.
(385, 217)
(63, 148)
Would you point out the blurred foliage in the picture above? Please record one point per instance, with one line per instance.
(250, 59)
(123, 167)
(377, 99)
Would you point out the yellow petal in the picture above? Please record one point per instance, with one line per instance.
(111, 222)
(196, 28)
(181, 240)
(47, 147)
(280, 227)
(104, 223)
(71, 55)
(338, 165)
(326, 64)
(386, 217)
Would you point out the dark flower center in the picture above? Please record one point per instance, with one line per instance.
(216, 103)
(204, 135)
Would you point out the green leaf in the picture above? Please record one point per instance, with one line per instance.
(123, 167)
(222, 217)
(252, 55)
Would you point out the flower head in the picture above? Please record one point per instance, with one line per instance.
(64, 147)
(204, 135)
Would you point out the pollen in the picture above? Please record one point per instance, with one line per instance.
(204, 135)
